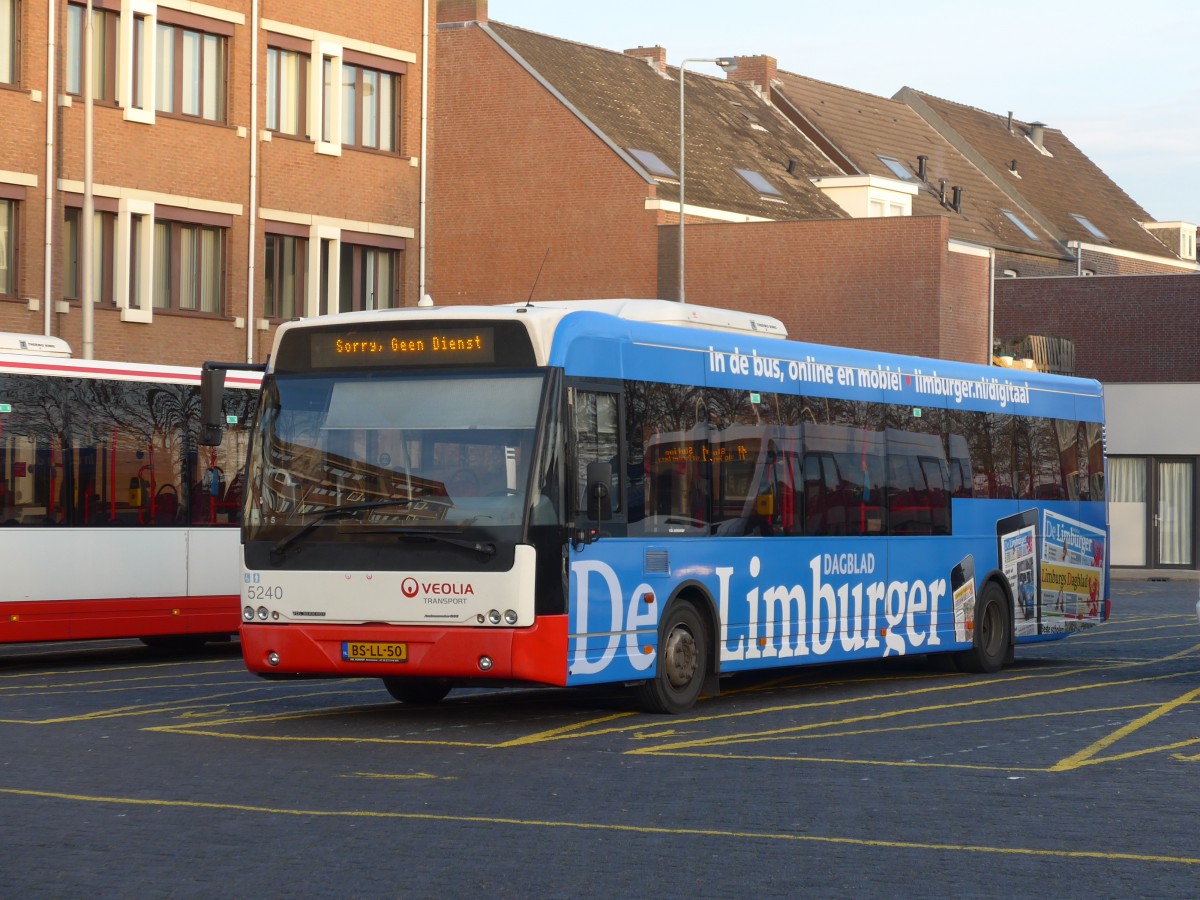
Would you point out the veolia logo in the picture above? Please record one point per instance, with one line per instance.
(409, 587)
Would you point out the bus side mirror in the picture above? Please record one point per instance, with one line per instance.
(599, 491)
(212, 390)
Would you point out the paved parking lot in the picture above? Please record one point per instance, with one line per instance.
(1073, 773)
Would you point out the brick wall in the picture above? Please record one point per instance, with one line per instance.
(518, 180)
(1139, 328)
(879, 284)
(209, 162)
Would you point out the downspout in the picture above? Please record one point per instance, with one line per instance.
(991, 344)
(51, 106)
(88, 216)
(424, 147)
(251, 241)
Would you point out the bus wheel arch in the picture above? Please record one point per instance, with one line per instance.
(992, 644)
(686, 642)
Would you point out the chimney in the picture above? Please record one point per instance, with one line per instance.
(956, 202)
(459, 11)
(1010, 121)
(923, 167)
(1013, 168)
(755, 70)
(1037, 134)
(655, 56)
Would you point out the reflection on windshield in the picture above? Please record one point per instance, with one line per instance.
(446, 451)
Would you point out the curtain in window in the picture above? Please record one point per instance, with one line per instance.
(164, 64)
(1175, 513)
(1127, 479)
(8, 10)
(349, 103)
(7, 211)
(210, 270)
(162, 265)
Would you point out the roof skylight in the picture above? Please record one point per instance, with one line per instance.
(1092, 229)
(898, 168)
(758, 182)
(1025, 229)
(652, 163)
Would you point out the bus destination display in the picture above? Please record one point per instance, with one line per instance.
(403, 347)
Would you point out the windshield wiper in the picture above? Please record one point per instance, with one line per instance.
(348, 511)
(486, 549)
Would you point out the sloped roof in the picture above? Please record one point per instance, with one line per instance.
(866, 128)
(1053, 187)
(727, 128)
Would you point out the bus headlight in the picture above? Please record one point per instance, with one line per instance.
(248, 614)
(263, 612)
(494, 617)
(510, 616)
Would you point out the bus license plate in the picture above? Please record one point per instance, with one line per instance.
(353, 651)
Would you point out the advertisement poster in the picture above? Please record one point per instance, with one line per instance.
(1017, 536)
(1072, 577)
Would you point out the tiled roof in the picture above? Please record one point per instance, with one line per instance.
(1054, 186)
(866, 128)
(728, 127)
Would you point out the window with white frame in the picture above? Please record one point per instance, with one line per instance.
(10, 22)
(360, 101)
(105, 51)
(285, 276)
(104, 234)
(190, 72)
(368, 277)
(189, 267)
(287, 91)
(8, 247)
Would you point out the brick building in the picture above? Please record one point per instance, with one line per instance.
(232, 190)
(1140, 335)
(558, 175)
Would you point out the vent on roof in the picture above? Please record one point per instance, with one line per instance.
(923, 167)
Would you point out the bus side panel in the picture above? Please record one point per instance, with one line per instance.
(78, 620)
(96, 563)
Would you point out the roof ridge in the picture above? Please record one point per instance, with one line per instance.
(986, 112)
(840, 87)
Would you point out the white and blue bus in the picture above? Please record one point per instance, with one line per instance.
(639, 491)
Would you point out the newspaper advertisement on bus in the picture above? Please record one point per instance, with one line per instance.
(1072, 576)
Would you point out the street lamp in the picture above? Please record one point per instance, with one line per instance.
(729, 64)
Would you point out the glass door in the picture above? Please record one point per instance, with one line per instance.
(1173, 525)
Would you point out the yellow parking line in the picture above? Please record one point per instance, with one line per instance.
(723, 834)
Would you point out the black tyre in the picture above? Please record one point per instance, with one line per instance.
(417, 691)
(175, 643)
(682, 661)
(993, 634)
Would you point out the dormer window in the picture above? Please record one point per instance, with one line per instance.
(1092, 229)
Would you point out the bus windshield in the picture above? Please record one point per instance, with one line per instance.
(356, 453)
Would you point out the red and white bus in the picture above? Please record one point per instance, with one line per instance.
(113, 521)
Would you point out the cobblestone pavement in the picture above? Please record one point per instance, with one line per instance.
(1073, 773)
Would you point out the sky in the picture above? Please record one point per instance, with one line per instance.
(1120, 80)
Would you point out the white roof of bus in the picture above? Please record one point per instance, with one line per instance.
(38, 344)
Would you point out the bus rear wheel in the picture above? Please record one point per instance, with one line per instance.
(993, 626)
(682, 658)
(417, 691)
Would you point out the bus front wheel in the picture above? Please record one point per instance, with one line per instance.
(993, 625)
(682, 658)
(417, 691)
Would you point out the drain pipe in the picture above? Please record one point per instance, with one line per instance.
(51, 106)
(424, 146)
(252, 241)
